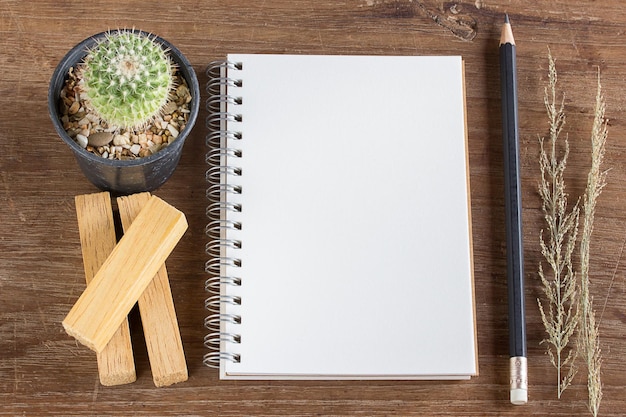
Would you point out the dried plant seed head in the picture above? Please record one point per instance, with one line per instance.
(128, 77)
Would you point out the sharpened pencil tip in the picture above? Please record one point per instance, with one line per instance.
(506, 36)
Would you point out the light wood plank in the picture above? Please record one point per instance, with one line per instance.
(156, 307)
(116, 364)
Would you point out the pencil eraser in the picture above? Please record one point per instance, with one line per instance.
(519, 396)
(519, 380)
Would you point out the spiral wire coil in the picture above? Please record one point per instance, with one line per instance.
(220, 175)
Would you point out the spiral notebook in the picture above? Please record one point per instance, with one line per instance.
(339, 220)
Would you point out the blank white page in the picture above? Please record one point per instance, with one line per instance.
(356, 240)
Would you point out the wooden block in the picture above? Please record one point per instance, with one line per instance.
(156, 307)
(116, 365)
(125, 274)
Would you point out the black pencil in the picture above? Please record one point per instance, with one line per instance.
(513, 218)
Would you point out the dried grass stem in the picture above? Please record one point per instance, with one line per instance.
(567, 308)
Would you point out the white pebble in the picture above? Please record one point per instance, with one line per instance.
(82, 140)
(121, 140)
(105, 154)
(173, 131)
(135, 148)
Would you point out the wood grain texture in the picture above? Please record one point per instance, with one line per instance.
(156, 307)
(125, 274)
(96, 228)
(43, 371)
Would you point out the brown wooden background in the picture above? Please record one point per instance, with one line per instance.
(44, 371)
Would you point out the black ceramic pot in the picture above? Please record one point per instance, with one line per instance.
(129, 176)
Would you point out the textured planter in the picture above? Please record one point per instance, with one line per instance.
(128, 176)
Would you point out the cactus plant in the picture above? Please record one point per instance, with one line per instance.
(128, 76)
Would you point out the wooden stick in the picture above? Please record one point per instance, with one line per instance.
(156, 307)
(116, 365)
(125, 274)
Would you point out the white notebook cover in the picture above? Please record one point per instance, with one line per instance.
(356, 257)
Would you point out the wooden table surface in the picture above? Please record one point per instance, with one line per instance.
(44, 371)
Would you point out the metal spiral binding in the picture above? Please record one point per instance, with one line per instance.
(216, 155)
(221, 177)
(214, 209)
(214, 247)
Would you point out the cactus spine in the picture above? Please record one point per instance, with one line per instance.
(128, 76)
